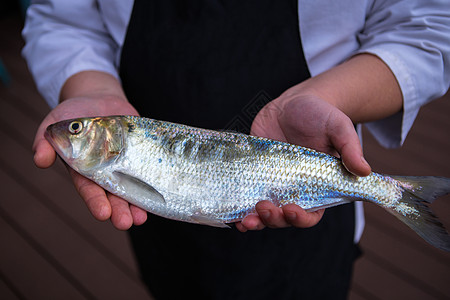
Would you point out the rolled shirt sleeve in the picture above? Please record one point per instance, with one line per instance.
(412, 38)
(64, 38)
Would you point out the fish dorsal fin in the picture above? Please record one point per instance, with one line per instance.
(130, 183)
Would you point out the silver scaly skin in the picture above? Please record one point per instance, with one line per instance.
(212, 177)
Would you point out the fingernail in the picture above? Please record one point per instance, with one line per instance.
(344, 165)
(364, 161)
(265, 214)
(290, 216)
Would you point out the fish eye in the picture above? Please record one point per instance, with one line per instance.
(75, 127)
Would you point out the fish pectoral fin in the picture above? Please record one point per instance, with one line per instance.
(330, 202)
(130, 183)
(200, 218)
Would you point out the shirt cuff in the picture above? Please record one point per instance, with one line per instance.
(391, 132)
(51, 90)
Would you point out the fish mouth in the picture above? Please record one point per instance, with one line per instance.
(59, 141)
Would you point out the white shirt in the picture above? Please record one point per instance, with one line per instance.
(411, 36)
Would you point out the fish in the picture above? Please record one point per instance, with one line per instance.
(214, 178)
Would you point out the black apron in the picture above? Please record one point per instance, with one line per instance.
(214, 64)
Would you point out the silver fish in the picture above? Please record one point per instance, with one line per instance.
(211, 177)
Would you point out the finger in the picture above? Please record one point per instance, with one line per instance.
(44, 154)
(298, 217)
(121, 216)
(39, 134)
(240, 227)
(271, 215)
(354, 162)
(139, 215)
(250, 222)
(93, 195)
(345, 139)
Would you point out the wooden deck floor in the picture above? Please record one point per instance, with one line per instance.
(51, 247)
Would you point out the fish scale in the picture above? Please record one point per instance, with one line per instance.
(212, 177)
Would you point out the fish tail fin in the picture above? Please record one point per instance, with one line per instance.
(419, 191)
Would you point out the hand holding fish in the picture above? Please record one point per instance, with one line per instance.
(309, 121)
(269, 123)
(210, 177)
(319, 113)
(103, 205)
(106, 205)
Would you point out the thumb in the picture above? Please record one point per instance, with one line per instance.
(44, 154)
(345, 140)
(354, 161)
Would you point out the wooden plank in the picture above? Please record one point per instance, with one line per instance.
(113, 243)
(355, 296)
(383, 284)
(413, 159)
(399, 251)
(22, 91)
(73, 255)
(8, 292)
(358, 292)
(422, 270)
(18, 127)
(431, 121)
(26, 99)
(29, 271)
(16, 124)
(424, 147)
(10, 28)
(379, 218)
(444, 106)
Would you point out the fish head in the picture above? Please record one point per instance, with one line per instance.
(87, 143)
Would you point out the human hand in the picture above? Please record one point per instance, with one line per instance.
(103, 205)
(309, 121)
